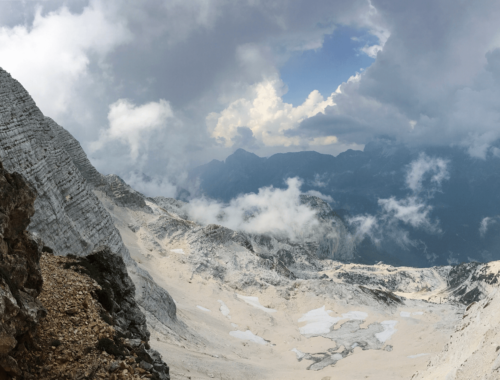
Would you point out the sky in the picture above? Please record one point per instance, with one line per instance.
(153, 88)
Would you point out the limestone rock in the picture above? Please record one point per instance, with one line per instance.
(68, 215)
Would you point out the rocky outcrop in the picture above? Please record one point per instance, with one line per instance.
(116, 295)
(68, 215)
(20, 275)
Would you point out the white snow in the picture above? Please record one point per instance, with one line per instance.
(247, 335)
(407, 314)
(154, 207)
(417, 356)
(178, 250)
(202, 308)
(319, 321)
(254, 301)
(388, 331)
(299, 353)
(224, 309)
(234, 325)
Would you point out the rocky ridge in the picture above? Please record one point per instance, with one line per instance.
(68, 215)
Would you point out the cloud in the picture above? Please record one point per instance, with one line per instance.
(52, 56)
(315, 193)
(485, 224)
(434, 88)
(395, 215)
(270, 211)
(267, 116)
(152, 187)
(436, 167)
(412, 211)
(131, 124)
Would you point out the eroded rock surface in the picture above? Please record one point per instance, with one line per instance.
(20, 275)
(68, 215)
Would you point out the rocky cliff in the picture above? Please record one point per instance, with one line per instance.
(68, 215)
(20, 275)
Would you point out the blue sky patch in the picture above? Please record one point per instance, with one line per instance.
(324, 69)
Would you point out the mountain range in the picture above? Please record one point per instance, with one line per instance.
(462, 209)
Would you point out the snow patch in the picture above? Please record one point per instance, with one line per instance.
(407, 314)
(299, 353)
(224, 309)
(247, 335)
(319, 321)
(254, 301)
(178, 250)
(389, 329)
(203, 308)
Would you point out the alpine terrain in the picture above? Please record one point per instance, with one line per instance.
(99, 281)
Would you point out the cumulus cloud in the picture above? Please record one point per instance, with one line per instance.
(438, 87)
(52, 55)
(270, 211)
(131, 124)
(267, 116)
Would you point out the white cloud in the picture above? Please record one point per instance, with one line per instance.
(365, 225)
(276, 211)
(412, 211)
(265, 113)
(315, 193)
(132, 125)
(436, 167)
(153, 187)
(51, 57)
(485, 224)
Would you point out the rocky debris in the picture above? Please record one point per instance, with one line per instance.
(76, 340)
(117, 291)
(79, 339)
(20, 275)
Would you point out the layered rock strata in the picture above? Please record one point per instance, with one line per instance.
(68, 215)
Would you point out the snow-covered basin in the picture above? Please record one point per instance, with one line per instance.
(319, 321)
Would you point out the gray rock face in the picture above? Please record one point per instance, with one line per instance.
(20, 275)
(68, 215)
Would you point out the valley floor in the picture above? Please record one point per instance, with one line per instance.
(296, 331)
